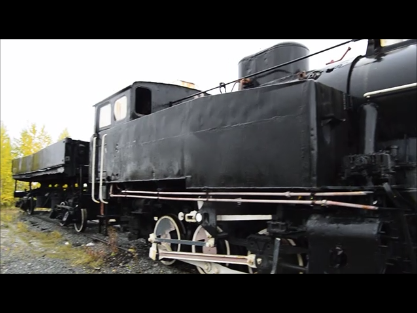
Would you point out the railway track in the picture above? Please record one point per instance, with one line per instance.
(92, 225)
(134, 251)
(107, 242)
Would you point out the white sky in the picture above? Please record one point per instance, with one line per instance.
(56, 82)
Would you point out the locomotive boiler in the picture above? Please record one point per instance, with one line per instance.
(299, 171)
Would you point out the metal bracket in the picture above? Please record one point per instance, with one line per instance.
(275, 255)
(209, 220)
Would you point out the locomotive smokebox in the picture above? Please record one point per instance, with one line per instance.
(275, 55)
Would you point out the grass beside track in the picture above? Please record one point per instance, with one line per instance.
(49, 243)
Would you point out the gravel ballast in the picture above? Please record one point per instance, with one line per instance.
(27, 248)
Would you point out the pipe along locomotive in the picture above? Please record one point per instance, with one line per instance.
(298, 171)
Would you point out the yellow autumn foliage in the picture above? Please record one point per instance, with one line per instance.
(31, 140)
(64, 134)
(6, 179)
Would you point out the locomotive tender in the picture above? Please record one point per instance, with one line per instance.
(62, 171)
(300, 171)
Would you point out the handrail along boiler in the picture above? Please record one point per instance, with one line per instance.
(299, 171)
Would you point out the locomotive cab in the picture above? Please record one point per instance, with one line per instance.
(115, 109)
(119, 123)
(126, 105)
(138, 100)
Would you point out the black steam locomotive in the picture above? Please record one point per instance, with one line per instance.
(299, 171)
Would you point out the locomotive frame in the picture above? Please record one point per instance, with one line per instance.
(216, 181)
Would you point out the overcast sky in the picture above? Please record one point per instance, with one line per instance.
(56, 82)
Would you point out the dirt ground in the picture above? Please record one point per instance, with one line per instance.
(35, 244)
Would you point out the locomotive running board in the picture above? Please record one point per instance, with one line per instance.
(157, 254)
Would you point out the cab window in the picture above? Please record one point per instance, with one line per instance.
(120, 108)
(143, 105)
(104, 116)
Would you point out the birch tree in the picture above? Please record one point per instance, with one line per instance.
(31, 140)
(6, 179)
(64, 134)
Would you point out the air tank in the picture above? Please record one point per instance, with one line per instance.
(275, 55)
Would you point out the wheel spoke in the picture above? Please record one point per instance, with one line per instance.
(201, 234)
(167, 228)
